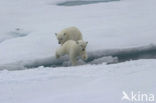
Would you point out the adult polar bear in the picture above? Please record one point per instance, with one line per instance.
(70, 33)
(73, 49)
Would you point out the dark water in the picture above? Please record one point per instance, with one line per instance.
(146, 54)
(117, 56)
(123, 55)
(110, 56)
(83, 2)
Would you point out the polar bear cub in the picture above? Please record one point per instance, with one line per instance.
(70, 33)
(73, 49)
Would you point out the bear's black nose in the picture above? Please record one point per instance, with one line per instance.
(83, 49)
(59, 42)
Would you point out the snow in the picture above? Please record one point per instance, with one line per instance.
(88, 83)
(27, 40)
(110, 23)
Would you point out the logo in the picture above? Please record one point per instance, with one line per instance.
(137, 97)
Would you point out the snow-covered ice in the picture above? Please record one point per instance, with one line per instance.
(113, 30)
(91, 84)
(122, 24)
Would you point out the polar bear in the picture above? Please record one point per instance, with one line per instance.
(70, 33)
(73, 49)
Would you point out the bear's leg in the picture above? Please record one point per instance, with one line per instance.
(73, 59)
(59, 53)
(84, 55)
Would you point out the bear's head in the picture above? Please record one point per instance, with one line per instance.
(61, 37)
(82, 44)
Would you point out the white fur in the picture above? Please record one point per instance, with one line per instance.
(73, 49)
(70, 33)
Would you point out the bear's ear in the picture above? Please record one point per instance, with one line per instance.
(56, 34)
(77, 42)
(64, 34)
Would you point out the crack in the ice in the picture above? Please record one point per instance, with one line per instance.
(96, 57)
(82, 2)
